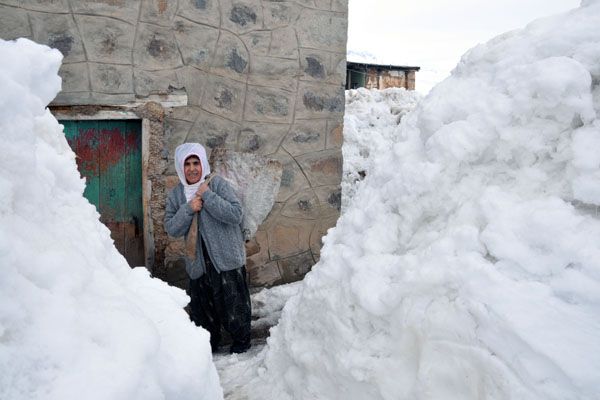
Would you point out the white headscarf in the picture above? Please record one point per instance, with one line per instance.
(182, 152)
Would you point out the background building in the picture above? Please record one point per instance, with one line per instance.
(376, 76)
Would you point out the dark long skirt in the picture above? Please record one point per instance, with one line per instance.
(222, 299)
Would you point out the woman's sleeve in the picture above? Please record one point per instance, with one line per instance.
(177, 218)
(222, 203)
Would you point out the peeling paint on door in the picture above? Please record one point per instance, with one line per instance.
(109, 157)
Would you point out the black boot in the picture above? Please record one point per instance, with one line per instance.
(215, 341)
(240, 347)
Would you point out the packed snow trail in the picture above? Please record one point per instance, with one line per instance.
(75, 321)
(467, 263)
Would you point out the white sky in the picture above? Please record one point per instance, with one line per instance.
(434, 34)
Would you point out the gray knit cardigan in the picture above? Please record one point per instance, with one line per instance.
(219, 226)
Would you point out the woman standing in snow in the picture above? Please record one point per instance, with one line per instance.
(208, 213)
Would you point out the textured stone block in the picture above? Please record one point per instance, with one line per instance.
(292, 178)
(307, 3)
(338, 68)
(155, 82)
(339, 6)
(183, 113)
(320, 230)
(315, 64)
(231, 58)
(108, 78)
(214, 131)
(322, 30)
(155, 48)
(257, 250)
(284, 43)
(289, 237)
(176, 132)
(303, 205)
(330, 200)
(271, 219)
(201, 11)
(323, 4)
(59, 32)
(274, 72)
(261, 138)
(74, 77)
(323, 66)
(264, 274)
(224, 97)
(196, 42)
(194, 81)
(280, 14)
(258, 42)
(268, 105)
(322, 168)
(14, 23)
(53, 6)
(126, 10)
(294, 268)
(106, 39)
(241, 16)
(319, 101)
(305, 137)
(252, 247)
(158, 12)
(335, 134)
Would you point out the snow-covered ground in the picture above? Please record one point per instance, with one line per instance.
(467, 263)
(75, 321)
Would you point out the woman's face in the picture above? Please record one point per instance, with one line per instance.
(192, 168)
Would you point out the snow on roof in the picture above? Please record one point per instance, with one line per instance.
(382, 66)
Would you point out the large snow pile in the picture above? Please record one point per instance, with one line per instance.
(370, 124)
(467, 265)
(75, 321)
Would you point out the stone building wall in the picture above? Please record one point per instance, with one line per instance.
(251, 75)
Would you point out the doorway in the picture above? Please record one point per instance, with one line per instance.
(109, 156)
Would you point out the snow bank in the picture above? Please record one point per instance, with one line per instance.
(75, 320)
(467, 265)
(268, 303)
(370, 124)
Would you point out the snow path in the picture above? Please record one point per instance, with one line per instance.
(236, 370)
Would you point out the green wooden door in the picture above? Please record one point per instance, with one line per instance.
(109, 156)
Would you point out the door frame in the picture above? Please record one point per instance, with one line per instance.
(148, 235)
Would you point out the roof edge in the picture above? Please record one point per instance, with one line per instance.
(382, 66)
